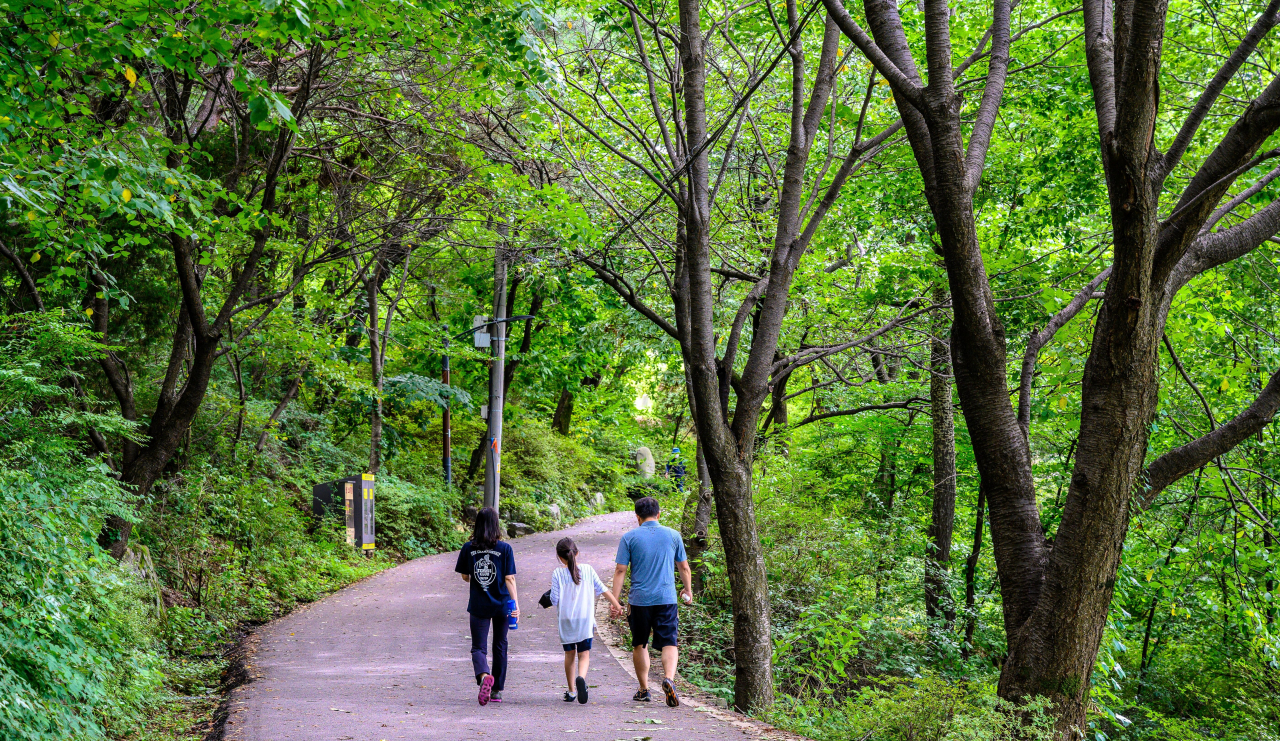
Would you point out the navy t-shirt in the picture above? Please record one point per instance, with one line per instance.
(488, 569)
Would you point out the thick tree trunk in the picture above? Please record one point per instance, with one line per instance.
(564, 412)
(937, 599)
(744, 561)
(728, 451)
(1053, 653)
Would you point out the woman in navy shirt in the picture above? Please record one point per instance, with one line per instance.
(489, 565)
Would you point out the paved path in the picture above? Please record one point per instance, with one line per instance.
(389, 658)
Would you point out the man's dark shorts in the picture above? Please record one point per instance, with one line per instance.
(660, 620)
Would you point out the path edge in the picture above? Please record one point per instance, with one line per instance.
(240, 669)
(746, 724)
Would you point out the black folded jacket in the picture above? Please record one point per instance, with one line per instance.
(546, 599)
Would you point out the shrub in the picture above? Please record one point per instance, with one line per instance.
(922, 709)
(416, 519)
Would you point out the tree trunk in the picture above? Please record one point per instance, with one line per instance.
(778, 412)
(728, 450)
(289, 393)
(744, 561)
(937, 599)
(564, 412)
(971, 576)
(697, 522)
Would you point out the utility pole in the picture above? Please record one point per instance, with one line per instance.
(447, 453)
(493, 442)
(483, 337)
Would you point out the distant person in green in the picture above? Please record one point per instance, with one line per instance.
(653, 553)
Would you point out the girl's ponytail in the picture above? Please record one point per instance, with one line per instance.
(568, 550)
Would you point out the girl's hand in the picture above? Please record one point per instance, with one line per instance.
(516, 613)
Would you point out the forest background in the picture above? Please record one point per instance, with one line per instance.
(237, 237)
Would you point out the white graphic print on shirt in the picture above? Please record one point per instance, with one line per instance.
(485, 570)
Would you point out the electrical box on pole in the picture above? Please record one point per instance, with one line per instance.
(481, 338)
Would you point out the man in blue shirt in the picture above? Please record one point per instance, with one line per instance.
(653, 553)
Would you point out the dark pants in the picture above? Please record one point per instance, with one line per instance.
(480, 658)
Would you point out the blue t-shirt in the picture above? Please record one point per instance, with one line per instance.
(652, 552)
(488, 569)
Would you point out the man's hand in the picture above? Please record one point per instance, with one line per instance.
(615, 612)
(516, 613)
(686, 595)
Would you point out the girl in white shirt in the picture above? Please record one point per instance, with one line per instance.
(574, 587)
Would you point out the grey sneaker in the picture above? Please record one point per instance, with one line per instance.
(495, 696)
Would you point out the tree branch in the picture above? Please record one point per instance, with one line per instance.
(1181, 461)
(628, 294)
(1208, 411)
(988, 110)
(902, 85)
(1038, 340)
(1209, 96)
(859, 410)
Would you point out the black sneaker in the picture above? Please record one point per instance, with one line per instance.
(641, 696)
(582, 690)
(669, 689)
(568, 697)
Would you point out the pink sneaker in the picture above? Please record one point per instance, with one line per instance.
(486, 688)
(495, 696)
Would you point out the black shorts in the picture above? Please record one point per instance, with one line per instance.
(661, 620)
(581, 646)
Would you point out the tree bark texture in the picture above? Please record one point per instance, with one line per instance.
(564, 412)
(937, 599)
(697, 522)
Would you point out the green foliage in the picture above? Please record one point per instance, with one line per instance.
(417, 519)
(921, 709)
(74, 657)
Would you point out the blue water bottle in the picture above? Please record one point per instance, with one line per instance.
(513, 623)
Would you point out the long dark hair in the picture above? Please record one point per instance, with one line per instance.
(486, 533)
(568, 550)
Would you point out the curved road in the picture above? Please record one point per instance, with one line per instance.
(389, 658)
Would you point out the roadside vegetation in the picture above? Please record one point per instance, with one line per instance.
(963, 317)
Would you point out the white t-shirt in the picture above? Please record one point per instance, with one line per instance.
(577, 602)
